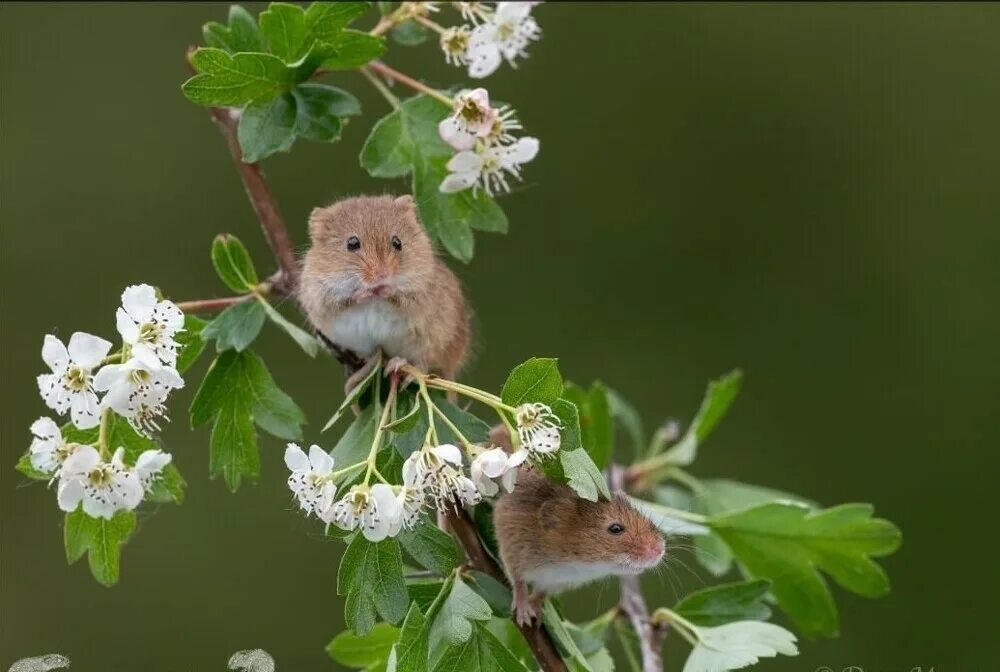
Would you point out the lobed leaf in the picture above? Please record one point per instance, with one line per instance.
(100, 539)
(234, 80)
(369, 652)
(409, 654)
(371, 577)
(462, 606)
(536, 380)
(267, 127)
(725, 603)
(241, 34)
(237, 326)
(431, 547)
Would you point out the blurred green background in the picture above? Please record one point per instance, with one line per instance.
(805, 191)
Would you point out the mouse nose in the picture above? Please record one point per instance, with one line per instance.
(654, 551)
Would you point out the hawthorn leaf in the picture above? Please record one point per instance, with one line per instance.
(234, 80)
(718, 397)
(736, 645)
(233, 264)
(190, 341)
(790, 544)
(725, 603)
(241, 34)
(267, 127)
(326, 19)
(352, 49)
(100, 539)
(371, 578)
(431, 547)
(388, 150)
(369, 652)
(553, 621)
(536, 380)
(319, 109)
(284, 27)
(409, 653)
(237, 326)
(453, 623)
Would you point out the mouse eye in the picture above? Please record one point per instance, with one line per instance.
(397, 244)
(615, 528)
(353, 244)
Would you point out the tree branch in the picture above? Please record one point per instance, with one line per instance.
(538, 637)
(633, 604)
(211, 305)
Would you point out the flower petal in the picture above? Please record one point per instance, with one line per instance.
(109, 376)
(127, 327)
(83, 410)
(139, 301)
(464, 162)
(47, 429)
(82, 461)
(321, 461)
(449, 453)
(88, 350)
(70, 494)
(295, 458)
(54, 352)
(142, 352)
(457, 182)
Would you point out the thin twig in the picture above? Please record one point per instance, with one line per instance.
(537, 636)
(633, 604)
(393, 74)
(212, 305)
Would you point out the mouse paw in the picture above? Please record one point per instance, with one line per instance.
(525, 610)
(394, 365)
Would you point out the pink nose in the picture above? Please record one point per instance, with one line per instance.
(654, 551)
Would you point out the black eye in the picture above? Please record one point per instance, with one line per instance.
(353, 244)
(615, 528)
(397, 244)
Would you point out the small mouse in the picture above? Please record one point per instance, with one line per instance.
(554, 540)
(371, 281)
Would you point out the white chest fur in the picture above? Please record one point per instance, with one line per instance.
(370, 325)
(564, 575)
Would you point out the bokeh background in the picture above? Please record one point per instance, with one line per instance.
(805, 191)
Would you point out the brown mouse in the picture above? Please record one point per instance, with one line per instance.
(554, 540)
(371, 281)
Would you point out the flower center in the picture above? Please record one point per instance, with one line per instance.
(471, 112)
(149, 332)
(139, 377)
(359, 501)
(100, 477)
(77, 378)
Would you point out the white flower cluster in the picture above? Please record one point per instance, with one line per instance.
(432, 474)
(487, 151)
(496, 34)
(135, 388)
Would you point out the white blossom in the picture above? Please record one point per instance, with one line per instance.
(48, 450)
(493, 464)
(410, 499)
(486, 165)
(455, 45)
(375, 510)
(148, 326)
(538, 428)
(104, 487)
(438, 471)
(736, 645)
(136, 390)
(149, 465)
(505, 35)
(472, 118)
(311, 480)
(475, 12)
(70, 385)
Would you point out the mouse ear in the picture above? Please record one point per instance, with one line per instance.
(318, 219)
(406, 200)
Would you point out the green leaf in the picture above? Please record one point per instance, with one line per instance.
(371, 577)
(388, 151)
(233, 263)
(352, 49)
(284, 27)
(628, 418)
(536, 380)
(237, 326)
(241, 34)
(101, 539)
(553, 621)
(482, 652)
(789, 544)
(304, 339)
(408, 420)
(472, 426)
(741, 601)
(597, 431)
(354, 445)
(718, 397)
(410, 34)
(319, 109)
(267, 127)
(583, 475)
(327, 19)
(368, 652)
(423, 592)
(235, 80)
(569, 416)
(409, 654)
(25, 467)
(431, 547)
(238, 391)
(453, 624)
(190, 341)
(715, 497)
(496, 594)
(353, 396)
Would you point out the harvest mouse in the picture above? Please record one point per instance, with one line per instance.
(554, 540)
(371, 281)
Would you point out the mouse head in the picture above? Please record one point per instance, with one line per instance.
(370, 247)
(613, 532)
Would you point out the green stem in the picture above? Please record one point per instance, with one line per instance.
(348, 469)
(687, 629)
(633, 662)
(381, 88)
(416, 85)
(102, 434)
(461, 437)
(430, 407)
(114, 358)
(424, 21)
(380, 430)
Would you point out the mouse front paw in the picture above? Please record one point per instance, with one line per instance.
(526, 609)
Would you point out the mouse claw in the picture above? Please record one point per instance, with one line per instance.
(394, 365)
(525, 611)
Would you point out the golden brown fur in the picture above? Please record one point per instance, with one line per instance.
(412, 279)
